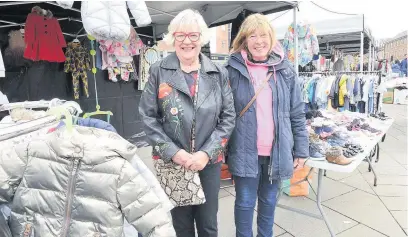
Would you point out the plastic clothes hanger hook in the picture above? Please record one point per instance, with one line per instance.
(59, 112)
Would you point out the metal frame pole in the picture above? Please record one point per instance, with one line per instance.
(362, 52)
(296, 63)
(154, 34)
(370, 59)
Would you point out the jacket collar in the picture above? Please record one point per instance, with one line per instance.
(173, 63)
(237, 61)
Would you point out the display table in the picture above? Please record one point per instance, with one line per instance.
(369, 145)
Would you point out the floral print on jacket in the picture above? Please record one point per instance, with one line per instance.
(167, 110)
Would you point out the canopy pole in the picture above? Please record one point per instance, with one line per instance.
(295, 51)
(154, 34)
(362, 52)
(370, 59)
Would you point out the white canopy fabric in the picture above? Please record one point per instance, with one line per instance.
(215, 13)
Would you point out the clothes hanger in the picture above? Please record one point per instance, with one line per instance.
(76, 40)
(30, 104)
(98, 107)
(22, 31)
(62, 113)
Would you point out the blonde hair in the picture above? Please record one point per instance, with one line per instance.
(248, 27)
(187, 17)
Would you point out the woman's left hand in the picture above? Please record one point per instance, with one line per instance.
(198, 162)
(298, 163)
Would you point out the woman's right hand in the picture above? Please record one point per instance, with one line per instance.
(181, 157)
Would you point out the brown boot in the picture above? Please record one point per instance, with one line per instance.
(335, 155)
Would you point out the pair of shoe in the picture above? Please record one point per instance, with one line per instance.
(380, 116)
(335, 155)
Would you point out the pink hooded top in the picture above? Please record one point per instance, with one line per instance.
(264, 111)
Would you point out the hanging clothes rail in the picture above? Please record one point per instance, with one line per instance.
(71, 107)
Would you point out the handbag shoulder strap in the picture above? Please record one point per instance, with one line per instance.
(256, 94)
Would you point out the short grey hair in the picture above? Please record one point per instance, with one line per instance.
(187, 17)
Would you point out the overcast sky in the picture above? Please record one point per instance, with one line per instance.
(385, 18)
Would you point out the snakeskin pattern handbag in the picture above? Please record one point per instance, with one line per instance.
(182, 186)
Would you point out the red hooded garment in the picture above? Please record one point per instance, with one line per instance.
(44, 39)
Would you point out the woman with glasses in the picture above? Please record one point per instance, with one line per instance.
(270, 137)
(188, 114)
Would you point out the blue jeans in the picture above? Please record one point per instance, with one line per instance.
(247, 191)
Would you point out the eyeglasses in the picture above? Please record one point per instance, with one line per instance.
(181, 36)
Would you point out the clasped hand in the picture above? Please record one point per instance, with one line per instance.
(195, 162)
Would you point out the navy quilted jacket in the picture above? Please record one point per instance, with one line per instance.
(291, 138)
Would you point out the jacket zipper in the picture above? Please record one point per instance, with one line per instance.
(276, 135)
(71, 184)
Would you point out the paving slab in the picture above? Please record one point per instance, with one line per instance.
(368, 210)
(383, 169)
(231, 190)
(303, 226)
(358, 181)
(395, 203)
(360, 230)
(223, 193)
(391, 158)
(226, 225)
(330, 188)
(401, 217)
(391, 191)
(339, 175)
(285, 235)
(387, 179)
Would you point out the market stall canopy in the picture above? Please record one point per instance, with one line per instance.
(162, 12)
(344, 34)
(215, 13)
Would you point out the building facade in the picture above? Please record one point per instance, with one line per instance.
(396, 47)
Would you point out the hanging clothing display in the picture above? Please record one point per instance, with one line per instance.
(43, 37)
(113, 22)
(342, 92)
(14, 53)
(117, 57)
(308, 45)
(78, 63)
(338, 66)
(85, 155)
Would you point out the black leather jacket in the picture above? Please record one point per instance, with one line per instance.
(167, 109)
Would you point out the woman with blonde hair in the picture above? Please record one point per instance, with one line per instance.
(270, 137)
(188, 114)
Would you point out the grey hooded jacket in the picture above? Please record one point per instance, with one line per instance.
(291, 138)
(167, 109)
(78, 184)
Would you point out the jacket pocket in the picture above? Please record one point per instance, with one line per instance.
(287, 130)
